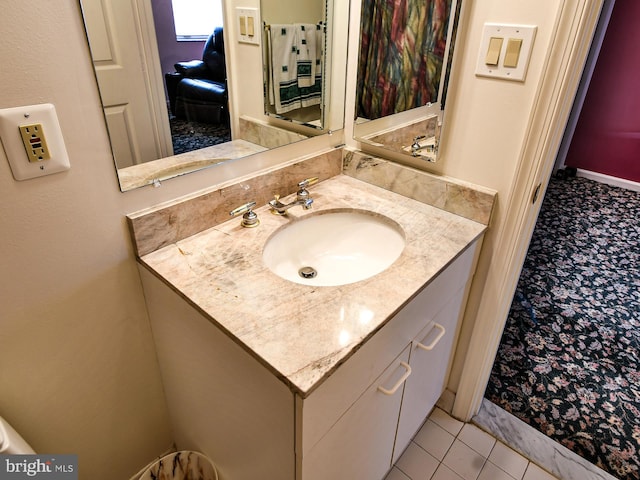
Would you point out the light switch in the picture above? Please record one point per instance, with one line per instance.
(513, 52)
(514, 45)
(248, 25)
(493, 53)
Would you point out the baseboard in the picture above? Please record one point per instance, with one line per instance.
(609, 180)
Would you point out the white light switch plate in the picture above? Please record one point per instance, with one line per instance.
(45, 115)
(525, 32)
(250, 15)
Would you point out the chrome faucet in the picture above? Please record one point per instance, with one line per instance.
(303, 198)
(416, 147)
(430, 150)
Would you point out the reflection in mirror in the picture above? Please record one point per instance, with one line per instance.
(403, 70)
(293, 51)
(169, 103)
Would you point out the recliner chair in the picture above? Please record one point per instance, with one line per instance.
(198, 89)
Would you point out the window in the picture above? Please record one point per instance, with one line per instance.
(196, 19)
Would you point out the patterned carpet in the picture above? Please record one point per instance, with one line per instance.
(569, 360)
(188, 136)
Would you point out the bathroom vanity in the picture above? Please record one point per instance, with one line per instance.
(278, 380)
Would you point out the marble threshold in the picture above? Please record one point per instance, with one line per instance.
(536, 446)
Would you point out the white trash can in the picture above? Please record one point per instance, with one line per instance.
(183, 465)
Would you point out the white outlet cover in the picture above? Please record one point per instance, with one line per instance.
(525, 32)
(10, 121)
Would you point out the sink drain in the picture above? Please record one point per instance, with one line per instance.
(307, 272)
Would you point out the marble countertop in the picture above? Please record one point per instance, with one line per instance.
(303, 333)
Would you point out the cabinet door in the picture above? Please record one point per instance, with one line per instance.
(360, 445)
(429, 361)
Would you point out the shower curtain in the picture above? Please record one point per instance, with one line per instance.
(402, 50)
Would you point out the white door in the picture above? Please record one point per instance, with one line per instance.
(124, 51)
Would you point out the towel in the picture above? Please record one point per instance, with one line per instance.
(306, 55)
(285, 93)
(311, 93)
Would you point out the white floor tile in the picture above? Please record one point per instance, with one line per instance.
(396, 474)
(447, 422)
(491, 472)
(417, 463)
(464, 461)
(477, 439)
(534, 472)
(434, 439)
(445, 473)
(508, 460)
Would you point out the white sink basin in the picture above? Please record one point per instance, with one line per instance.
(334, 247)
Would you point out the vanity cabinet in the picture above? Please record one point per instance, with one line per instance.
(430, 354)
(362, 418)
(224, 402)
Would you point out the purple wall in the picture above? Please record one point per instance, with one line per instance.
(607, 136)
(171, 51)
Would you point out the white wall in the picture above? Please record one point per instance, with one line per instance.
(78, 371)
(77, 367)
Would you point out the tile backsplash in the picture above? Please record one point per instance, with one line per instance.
(164, 224)
(464, 199)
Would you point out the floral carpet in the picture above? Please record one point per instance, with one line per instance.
(569, 360)
(187, 136)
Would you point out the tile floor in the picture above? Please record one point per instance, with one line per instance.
(447, 449)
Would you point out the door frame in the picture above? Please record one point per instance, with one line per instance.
(150, 56)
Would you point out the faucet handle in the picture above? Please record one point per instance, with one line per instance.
(303, 193)
(307, 182)
(249, 219)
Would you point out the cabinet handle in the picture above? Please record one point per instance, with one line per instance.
(400, 382)
(436, 340)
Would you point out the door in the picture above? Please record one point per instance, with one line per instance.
(122, 41)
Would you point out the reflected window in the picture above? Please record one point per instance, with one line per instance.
(196, 19)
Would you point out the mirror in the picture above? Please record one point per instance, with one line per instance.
(403, 72)
(164, 121)
(292, 52)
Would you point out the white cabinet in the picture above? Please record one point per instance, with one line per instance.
(225, 403)
(349, 428)
(429, 361)
(359, 445)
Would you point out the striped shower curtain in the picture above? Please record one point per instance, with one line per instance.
(402, 50)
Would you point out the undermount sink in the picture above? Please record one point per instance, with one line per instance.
(334, 247)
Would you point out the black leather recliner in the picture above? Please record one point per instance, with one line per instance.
(198, 89)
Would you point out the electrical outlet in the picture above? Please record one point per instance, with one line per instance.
(34, 142)
(29, 152)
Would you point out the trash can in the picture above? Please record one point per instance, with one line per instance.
(183, 465)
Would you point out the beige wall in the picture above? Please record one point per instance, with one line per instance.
(493, 117)
(77, 367)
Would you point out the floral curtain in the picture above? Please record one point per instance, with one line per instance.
(401, 54)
